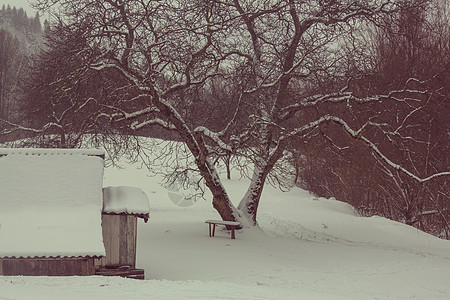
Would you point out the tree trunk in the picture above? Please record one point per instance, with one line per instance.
(224, 207)
(227, 164)
(221, 201)
(248, 207)
(195, 143)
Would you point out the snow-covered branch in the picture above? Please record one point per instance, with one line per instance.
(18, 127)
(138, 125)
(114, 64)
(342, 97)
(215, 137)
(357, 134)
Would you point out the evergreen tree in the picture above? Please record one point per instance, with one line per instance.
(19, 40)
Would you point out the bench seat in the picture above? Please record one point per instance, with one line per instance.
(230, 224)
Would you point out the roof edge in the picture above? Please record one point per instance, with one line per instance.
(51, 151)
(53, 257)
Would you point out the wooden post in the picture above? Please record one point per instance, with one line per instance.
(233, 236)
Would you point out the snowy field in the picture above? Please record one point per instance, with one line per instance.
(307, 248)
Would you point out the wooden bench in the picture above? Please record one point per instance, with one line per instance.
(230, 224)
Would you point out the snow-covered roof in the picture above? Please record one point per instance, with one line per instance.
(126, 200)
(50, 203)
(49, 151)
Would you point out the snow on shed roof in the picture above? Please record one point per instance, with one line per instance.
(50, 151)
(50, 203)
(126, 199)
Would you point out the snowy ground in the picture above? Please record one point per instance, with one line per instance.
(308, 248)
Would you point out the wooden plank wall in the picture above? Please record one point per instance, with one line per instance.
(119, 238)
(47, 266)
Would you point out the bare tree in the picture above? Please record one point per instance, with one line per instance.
(410, 43)
(276, 55)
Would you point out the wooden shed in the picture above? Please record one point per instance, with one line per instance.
(122, 206)
(50, 211)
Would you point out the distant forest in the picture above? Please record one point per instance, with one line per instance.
(20, 39)
(18, 19)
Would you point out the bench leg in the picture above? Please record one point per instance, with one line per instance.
(233, 236)
(209, 229)
(214, 229)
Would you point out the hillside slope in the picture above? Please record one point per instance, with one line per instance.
(306, 248)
